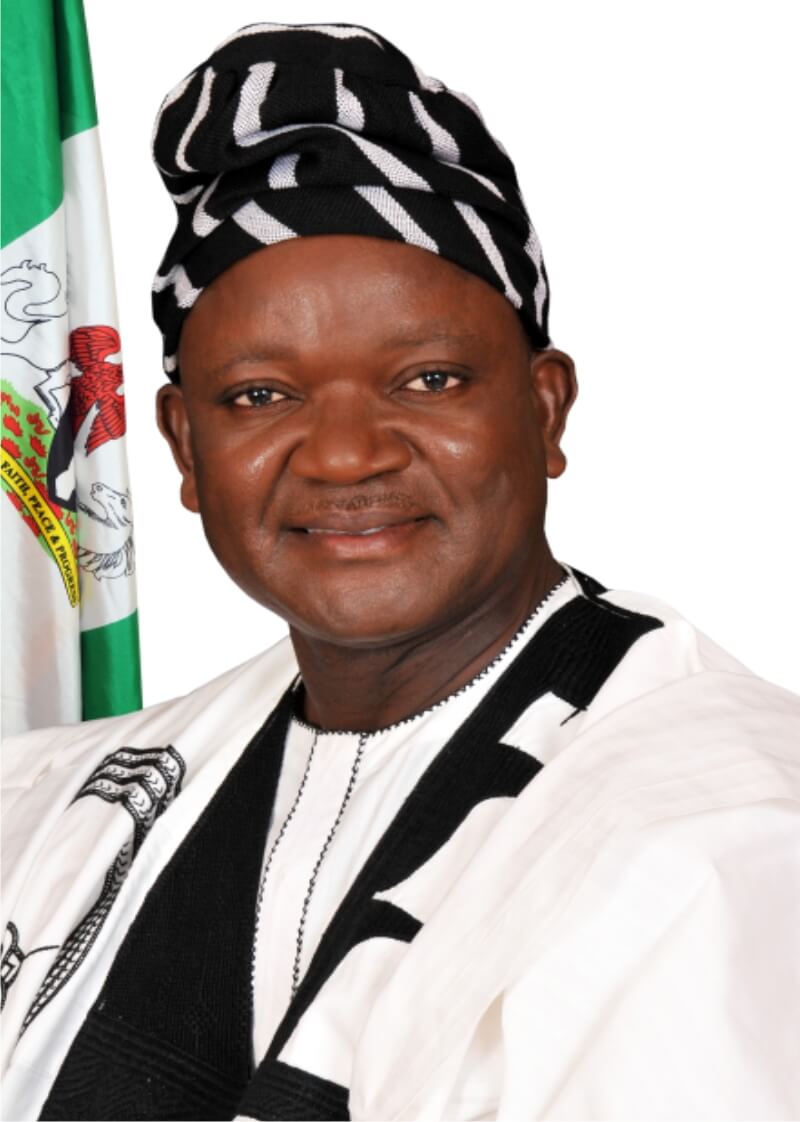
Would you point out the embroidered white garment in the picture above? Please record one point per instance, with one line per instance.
(314, 800)
(580, 906)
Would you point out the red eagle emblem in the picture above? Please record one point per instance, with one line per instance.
(99, 384)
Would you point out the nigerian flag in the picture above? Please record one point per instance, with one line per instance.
(70, 636)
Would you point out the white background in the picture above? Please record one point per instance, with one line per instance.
(656, 145)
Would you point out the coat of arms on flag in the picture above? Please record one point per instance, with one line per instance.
(70, 635)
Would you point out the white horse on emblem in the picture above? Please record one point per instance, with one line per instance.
(106, 548)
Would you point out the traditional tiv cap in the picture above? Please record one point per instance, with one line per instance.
(291, 131)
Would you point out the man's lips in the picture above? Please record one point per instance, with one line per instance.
(349, 533)
(352, 523)
(359, 535)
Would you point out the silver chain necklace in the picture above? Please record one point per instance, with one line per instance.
(362, 741)
(268, 864)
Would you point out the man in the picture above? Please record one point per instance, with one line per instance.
(485, 839)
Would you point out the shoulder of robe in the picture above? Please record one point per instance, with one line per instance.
(679, 733)
(710, 740)
(696, 650)
(677, 652)
(235, 699)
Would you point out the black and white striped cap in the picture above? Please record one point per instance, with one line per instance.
(290, 131)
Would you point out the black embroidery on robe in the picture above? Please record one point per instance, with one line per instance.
(115, 1071)
(170, 1035)
(179, 991)
(144, 781)
(286, 1092)
(13, 958)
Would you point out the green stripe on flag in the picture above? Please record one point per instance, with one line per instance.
(75, 86)
(111, 680)
(47, 96)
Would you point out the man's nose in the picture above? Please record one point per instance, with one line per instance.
(348, 440)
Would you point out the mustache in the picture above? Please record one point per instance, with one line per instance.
(383, 500)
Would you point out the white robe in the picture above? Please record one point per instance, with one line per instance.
(622, 944)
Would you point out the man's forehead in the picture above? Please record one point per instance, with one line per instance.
(319, 293)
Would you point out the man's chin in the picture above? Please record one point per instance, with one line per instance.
(356, 631)
(364, 614)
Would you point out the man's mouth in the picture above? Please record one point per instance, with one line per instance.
(354, 523)
(346, 533)
(360, 536)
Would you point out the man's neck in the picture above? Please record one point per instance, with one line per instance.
(366, 689)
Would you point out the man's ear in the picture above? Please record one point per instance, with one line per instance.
(555, 388)
(174, 425)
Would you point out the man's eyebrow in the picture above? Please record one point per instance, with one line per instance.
(251, 357)
(418, 335)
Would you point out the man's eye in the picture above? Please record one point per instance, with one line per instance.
(433, 381)
(257, 396)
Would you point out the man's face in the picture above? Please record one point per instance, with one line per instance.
(367, 438)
